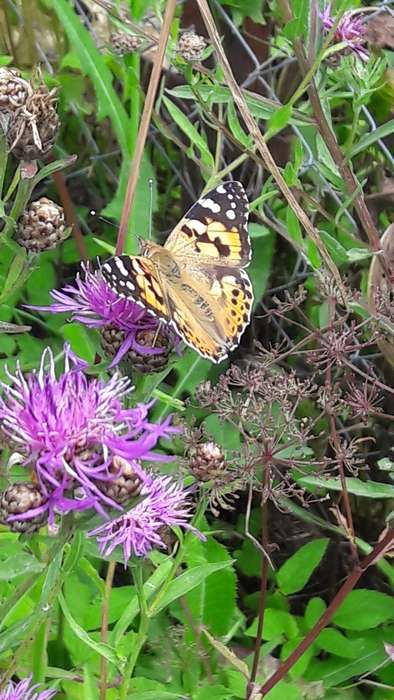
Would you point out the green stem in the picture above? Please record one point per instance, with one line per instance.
(142, 633)
(22, 197)
(3, 161)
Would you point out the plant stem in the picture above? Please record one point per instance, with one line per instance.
(141, 636)
(69, 211)
(329, 137)
(23, 193)
(348, 586)
(261, 145)
(104, 627)
(263, 583)
(144, 125)
(3, 161)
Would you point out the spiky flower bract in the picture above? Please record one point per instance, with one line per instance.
(25, 691)
(165, 504)
(350, 31)
(69, 430)
(92, 302)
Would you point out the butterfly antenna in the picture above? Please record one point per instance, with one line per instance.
(102, 218)
(150, 185)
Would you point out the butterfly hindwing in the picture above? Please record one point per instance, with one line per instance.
(136, 278)
(215, 228)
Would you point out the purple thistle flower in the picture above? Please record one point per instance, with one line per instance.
(139, 530)
(25, 691)
(350, 30)
(92, 302)
(68, 431)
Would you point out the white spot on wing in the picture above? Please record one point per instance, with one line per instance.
(197, 225)
(221, 189)
(120, 265)
(208, 203)
(230, 214)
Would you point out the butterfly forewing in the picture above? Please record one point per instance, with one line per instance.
(215, 228)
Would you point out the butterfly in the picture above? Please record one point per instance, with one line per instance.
(196, 282)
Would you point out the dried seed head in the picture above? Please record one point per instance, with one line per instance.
(35, 125)
(125, 483)
(14, 90)
(123, 43)
(18, 499)
(112, 339)
(207, 461)
(42, 226)
(191, 46)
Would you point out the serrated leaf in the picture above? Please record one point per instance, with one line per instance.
(297, 570)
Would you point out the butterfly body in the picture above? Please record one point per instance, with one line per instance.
(196, 282)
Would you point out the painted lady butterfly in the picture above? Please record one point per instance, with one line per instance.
(196, 282)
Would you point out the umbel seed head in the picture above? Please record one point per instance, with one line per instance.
(191, 46)
(18, 499)
(123, 43)
(34, 126)
(42, 226)
(207, 461)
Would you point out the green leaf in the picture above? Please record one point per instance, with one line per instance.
(189, 580)
(294, 227)
(184, 123)
(296, 571)
(19, 564)
(364, 609)
(302, 664)
(334, 642)
(17, 270)
(369, 139)
(299, 26)
(15, 634)
(236, 128)
(263, 247)
(366, 489)
(314, 610)
(213, 601)
(334, 247)
(99, 647)
(131, 611)
(261, 107)
(285, 691)
(92, 61)
(83, 341)
(279, 120)
(277, 623)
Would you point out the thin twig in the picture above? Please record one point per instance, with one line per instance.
(104, 627)
(377, 552)
(69, 211)
(144, 125)
(261, 144)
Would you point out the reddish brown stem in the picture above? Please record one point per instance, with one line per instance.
(69, 211)
(263, 585)
(344, 591)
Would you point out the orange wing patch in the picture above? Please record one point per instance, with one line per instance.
(233, 291)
